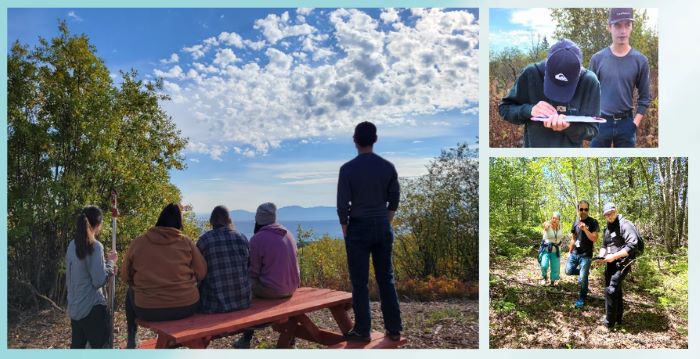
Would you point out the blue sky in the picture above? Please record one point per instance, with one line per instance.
(269, 97)
(522, 27)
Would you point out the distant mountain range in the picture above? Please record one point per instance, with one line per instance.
(286, 214)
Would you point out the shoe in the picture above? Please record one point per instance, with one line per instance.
(555, 283)
(579, 303)
(353, 336)
(543, 282)
(395, 336)
(241, 343)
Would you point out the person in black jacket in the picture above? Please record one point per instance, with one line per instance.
(619, 249)
(554, 88)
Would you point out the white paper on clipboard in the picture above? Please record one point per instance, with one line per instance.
(574, 119)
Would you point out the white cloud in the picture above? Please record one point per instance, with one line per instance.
(391, 76)
(389, 15)
(231, 39)
(73, 15)
(304, 11)
(174, 58)
(276, 27)
(537, 20)
(224, 57)
(214, 151)
(174, 72)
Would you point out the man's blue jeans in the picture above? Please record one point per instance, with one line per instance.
(580, 266)
(365, 237)
(619, 133)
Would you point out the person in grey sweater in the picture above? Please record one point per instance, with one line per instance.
(620, 69)
(86, 274)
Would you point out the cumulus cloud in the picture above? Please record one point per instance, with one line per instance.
(174, 58)
(213, 151)
(250, 95)
(277, 27)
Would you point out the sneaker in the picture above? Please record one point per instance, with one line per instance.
(395, 336)
(579, 303)
(543, 282)
(353, 336)
(555, 283)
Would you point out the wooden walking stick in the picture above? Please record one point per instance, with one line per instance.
(113, 283)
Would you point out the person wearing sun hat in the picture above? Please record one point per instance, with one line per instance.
(554, 88)
(621, 69)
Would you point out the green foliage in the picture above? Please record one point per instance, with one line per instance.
(72, 136)
(323, 263)
(438, 222)
(588, 28)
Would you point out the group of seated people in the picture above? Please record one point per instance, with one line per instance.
(171, 277)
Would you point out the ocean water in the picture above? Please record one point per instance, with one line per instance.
(320, 228)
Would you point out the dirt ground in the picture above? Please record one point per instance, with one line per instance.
(525, 315)
(445, 324)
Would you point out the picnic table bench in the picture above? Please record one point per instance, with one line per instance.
(288, 316)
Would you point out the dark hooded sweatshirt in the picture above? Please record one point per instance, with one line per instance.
(528, 90)
(163, 266)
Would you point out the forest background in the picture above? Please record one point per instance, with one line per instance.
(650, 192)
(587, 27)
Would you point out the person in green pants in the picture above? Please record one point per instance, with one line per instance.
(549, 254)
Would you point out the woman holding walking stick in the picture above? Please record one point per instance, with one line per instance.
(86, 274)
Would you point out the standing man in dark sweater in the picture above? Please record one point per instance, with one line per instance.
(619, 249)
(368, 196)
(554, 88)
(584, 234)
(620, 69)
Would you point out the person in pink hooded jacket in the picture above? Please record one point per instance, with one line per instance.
(274, 270)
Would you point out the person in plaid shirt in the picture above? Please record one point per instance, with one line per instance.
(226, 286)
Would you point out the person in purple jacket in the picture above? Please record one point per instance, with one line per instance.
(274, 270)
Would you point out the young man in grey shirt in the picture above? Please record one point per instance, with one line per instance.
(620, 69)
(368, 196)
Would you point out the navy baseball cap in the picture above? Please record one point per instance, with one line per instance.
(616, 15)
(562, 70)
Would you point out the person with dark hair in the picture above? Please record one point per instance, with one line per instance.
(584, 234)
(86, 274)
(368, 197)
(621, 69)
(274, 270)
(554, 89)
(226, 287)
(162, 267)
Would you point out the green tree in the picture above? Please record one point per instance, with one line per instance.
(438, 221)
(72, 136)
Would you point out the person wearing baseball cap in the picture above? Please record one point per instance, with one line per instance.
(620, 69)
(554, 88)
(620, 246)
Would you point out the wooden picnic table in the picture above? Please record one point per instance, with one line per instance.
(288, 316)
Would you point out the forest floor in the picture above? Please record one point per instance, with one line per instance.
(442, 324)
(524, 314)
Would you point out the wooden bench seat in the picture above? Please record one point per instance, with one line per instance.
(379, 341)
(287, 315)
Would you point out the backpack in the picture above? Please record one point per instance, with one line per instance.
(639, 249)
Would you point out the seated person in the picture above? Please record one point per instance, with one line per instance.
(162, 267)
(226, 287)
(274, 271)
